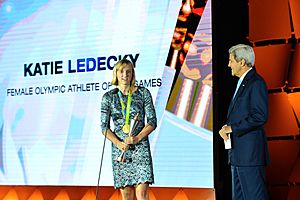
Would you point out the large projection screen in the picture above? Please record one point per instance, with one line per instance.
(56, 61)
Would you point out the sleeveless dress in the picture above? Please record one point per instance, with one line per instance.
(137, 167)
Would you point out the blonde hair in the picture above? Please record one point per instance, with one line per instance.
(119, 66)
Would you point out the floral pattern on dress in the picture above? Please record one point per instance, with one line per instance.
(138, 166)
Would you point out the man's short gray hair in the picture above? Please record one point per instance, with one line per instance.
(243, 51)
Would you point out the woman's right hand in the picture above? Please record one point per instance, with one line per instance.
(122, 146)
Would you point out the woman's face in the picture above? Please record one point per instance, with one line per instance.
(124, 75)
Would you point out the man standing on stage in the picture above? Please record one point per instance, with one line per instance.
(248, 112)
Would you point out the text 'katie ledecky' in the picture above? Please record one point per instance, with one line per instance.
(81, 65)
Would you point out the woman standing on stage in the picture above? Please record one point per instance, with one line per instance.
(134, 173)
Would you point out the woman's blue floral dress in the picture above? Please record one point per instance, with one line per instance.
(137, 167)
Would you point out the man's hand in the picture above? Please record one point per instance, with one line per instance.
(225, 131)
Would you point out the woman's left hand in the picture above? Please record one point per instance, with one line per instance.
(131, 140)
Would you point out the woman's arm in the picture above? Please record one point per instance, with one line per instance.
(113, 138)
(151, 120)
(105, 123)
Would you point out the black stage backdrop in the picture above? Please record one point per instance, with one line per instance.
(230, 27)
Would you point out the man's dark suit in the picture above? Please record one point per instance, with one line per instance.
(247, 114)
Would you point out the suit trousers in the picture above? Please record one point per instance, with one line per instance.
(249, 183)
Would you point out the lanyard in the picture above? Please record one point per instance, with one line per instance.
(125, 110)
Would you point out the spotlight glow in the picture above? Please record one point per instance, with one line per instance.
(8, 8)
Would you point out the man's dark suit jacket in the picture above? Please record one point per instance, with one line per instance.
(247, 114)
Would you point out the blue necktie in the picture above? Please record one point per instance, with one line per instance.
(237, 87)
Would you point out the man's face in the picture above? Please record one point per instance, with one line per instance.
(236, 67)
